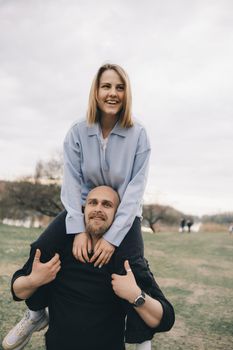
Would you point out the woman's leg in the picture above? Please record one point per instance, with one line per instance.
(131, 248)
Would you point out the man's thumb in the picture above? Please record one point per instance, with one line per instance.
(127, 266)
(37, 255)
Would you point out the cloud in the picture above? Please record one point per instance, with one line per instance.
(179, 59)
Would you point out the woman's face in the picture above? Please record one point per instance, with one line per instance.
(111, 93)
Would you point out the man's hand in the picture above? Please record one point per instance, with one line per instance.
(82, 246)
(125, 286)
(43, 273)
(102, 252)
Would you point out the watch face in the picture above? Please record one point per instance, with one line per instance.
(140, 301)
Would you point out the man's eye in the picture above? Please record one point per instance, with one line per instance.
(107, 205)
(92, 203)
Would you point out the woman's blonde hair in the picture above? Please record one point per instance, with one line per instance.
(93, 113)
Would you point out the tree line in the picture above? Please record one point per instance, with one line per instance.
(40, 194)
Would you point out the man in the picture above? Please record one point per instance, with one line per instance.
(88, 305)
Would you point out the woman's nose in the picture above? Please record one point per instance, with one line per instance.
(112, 91)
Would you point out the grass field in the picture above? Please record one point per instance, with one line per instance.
(195, 271)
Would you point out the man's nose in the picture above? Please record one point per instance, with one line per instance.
(99, 207)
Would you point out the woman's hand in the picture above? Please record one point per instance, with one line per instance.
(125, 286)
(82, 246)
(102, 252)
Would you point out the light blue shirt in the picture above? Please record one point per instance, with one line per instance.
(122, 165)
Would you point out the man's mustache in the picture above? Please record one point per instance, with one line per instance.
(97, 215)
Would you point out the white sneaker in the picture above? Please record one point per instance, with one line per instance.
(20, 335)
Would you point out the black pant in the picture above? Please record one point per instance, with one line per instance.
(53, 239)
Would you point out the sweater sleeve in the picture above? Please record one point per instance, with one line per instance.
(51, 241)
(24, 271)
(132, 198)
(136, 329)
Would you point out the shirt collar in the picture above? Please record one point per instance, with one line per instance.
(118, 130)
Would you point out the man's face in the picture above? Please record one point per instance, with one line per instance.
(100, 209)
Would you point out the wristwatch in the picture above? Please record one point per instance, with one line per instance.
(140, 300)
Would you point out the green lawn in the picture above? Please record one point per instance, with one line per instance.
(194, 271)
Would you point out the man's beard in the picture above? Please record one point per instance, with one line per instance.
(96, 231)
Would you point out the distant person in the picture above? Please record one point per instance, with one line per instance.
(189, 224)
(88, 305)
(230, 229)
(182, 224)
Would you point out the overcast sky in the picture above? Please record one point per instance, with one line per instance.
(179, 58)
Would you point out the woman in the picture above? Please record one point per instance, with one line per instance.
(109, 148)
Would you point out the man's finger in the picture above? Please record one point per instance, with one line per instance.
(58, 269)
(37, 255)
(127, 266)
(55, 258)
(58, 263)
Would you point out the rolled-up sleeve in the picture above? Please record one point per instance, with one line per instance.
(136, 329)
(24, 271)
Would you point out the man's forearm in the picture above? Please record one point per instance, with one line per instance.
(24, 287)
(151, 311)
(42, 273)
(125, 287)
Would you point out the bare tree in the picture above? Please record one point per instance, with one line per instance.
(152, 213)
(39, 194)
(25, 197)
(50, 170)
